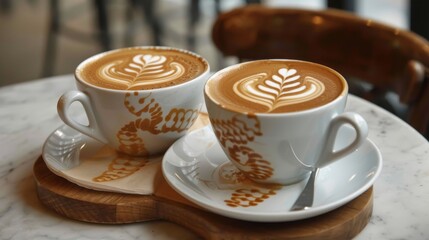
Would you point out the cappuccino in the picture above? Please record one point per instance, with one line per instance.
(141, 68)
(277, 120)
(275, 86)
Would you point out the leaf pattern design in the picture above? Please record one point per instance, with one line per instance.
(122, 166)
(179, 120)
(141, 70)
(238, 130)
(284, 88)
(251, 197)
(129, 140)
(246, 193)
(252, 164)
(138, 103)
(150, 118)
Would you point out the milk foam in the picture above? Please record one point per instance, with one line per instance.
(275, 86)
(278, 90)
(142, 70)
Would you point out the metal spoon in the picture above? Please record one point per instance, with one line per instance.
(305, 200)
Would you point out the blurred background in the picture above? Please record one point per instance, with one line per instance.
(41, 38)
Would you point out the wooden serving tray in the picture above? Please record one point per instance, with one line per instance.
(88, 205)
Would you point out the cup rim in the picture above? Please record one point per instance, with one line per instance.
(101, 54)
(340, 96)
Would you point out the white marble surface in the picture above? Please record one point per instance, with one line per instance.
(28, 116)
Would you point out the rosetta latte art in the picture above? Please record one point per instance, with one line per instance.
(286, 88)
(142, 70)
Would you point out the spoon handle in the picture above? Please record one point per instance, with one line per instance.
(305, 199)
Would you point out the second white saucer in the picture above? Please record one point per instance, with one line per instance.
(196, 167)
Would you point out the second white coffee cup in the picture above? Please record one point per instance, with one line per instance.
(248, 106)
(129, 116)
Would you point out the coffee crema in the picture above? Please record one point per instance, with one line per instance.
(141, 68)
(275, 86)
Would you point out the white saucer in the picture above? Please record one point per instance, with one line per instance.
(196, 167)
(91, 164)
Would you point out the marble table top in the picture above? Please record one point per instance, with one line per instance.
(28, 115)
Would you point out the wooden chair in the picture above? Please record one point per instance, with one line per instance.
(386, 59)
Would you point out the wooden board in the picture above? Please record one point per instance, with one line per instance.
(88, 205)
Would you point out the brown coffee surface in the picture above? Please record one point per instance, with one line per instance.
(275, 86)
(141, 68)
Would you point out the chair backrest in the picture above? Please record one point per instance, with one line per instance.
(388, 58)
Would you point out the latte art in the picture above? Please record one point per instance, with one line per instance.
(275, 86)
(275, 91)
(141, 68)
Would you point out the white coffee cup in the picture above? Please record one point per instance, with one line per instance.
(280, 148)
(137, 122)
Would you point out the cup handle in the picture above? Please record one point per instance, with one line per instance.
(63, 105)
(357, 122)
